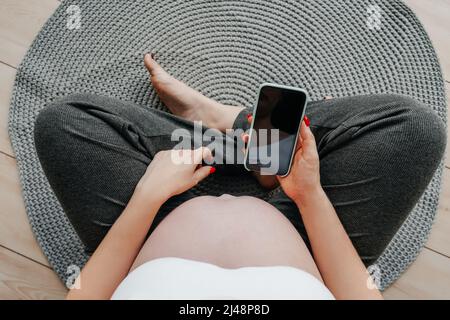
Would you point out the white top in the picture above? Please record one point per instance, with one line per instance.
(180, 279)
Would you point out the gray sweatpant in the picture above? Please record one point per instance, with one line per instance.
(378, 154)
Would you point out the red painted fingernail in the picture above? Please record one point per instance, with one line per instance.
(212, 170)
(307, 121)
(250, 117)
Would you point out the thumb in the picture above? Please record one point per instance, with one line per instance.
(202, 173)
(150, 63)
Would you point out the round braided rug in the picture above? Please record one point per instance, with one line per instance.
(225, 49)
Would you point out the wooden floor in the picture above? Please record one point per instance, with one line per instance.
(25, 272)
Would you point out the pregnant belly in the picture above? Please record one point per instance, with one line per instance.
(230, 232)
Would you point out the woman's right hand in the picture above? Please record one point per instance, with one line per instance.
(304, 179)
(173, 172)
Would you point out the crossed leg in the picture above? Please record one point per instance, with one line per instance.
(378, 154)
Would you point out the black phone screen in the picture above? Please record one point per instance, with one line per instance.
(276, 124)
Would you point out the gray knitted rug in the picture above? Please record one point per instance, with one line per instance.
(225, 49)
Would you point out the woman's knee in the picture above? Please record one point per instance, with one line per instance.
(48, 125)
(422, 125)
(53, 123)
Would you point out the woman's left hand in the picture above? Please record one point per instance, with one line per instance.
(173, 172)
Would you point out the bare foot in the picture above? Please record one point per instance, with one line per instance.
(188, 103)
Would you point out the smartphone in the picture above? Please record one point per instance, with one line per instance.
(277, 119)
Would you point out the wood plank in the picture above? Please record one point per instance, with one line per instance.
(440, 236)
(21, 278)
(15, 230)
(20, 22)
(394, 293)
(427, 278)
(434, 16)
(7, 76)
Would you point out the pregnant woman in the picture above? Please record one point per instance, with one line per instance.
(361, 166)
